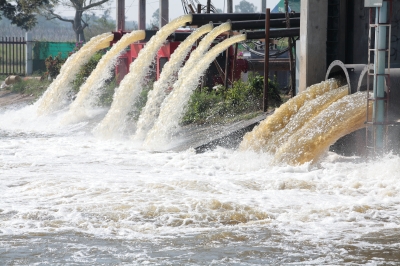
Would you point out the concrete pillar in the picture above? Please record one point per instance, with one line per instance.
(229, 6)
(263, 5)
(164, 12)
(120, 15)
(142, 15)
(28, 54)
(313, 32)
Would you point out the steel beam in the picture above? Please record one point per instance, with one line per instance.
(120, 15)
(142, 15)
(201, 19)
(164, 12)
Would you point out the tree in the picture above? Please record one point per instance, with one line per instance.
(245, 7)
(21, 12)
(155, 19)
(81, 7)
(98, 25)
(132, 25)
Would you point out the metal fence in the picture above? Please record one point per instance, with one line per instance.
(12, 55)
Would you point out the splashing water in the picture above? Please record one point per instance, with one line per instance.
(167, 77)
(172, 108)
(198, 54)
(314, 138)
(55, 96)
(309, 110)
(90, 91)
(259, 137)
(124, 97)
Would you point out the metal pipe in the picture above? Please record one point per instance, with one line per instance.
(229, 7)
(226, 66)
(120, 15)
(28, 54)
(266, 60)
(379, 79)
(251, 35)
(292, 32)
(260, 24)
(290, 46)
(263, 5)
(191, 9)
(201, 19)
(181, 36)
(142, 15)
(164, 13)
(234, 62)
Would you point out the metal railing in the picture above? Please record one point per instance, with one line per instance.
(12, 55)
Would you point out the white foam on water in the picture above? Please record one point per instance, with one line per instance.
(58, 184)
(24, 120)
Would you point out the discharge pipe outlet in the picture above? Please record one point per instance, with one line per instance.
(348, 74)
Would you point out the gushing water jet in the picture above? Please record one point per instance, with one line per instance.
(89, 92)
(310, 142)
(130, 87)
(167, 77)
(307, 112)
(173, 107)
(55, 95)
(260, 136)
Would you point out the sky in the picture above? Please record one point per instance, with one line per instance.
(175, 7)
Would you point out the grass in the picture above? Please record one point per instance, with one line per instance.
(31, 87)
(242, 101)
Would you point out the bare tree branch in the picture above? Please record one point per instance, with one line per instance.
(95, 4)
(59, 17)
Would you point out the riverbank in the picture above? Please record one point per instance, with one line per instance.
(8, 97)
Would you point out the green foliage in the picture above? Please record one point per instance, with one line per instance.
(141, 101)
(33, 87)
(53, 65)
(21, 12)
(203, 105)
(155, 19)
(98, 25)
(221, 104)
(245, 7)
(107, 96)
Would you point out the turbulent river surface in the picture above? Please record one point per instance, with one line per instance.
(68, 198)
